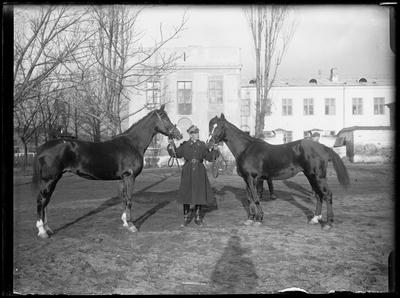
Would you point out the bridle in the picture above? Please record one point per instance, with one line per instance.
(211, 133)
(169, 131)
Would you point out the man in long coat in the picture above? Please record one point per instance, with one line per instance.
(194, 188)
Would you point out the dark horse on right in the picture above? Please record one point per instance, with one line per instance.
(257, 160)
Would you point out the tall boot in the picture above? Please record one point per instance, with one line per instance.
(198, 220)
(186, 214)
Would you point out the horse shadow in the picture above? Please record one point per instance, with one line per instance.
(141, 197)
(240, 194)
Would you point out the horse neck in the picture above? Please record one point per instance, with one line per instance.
(236, 140)
(142, 132)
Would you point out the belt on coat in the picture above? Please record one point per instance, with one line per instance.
(195, 160)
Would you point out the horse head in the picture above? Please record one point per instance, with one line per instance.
(165, 126)
(216, 128)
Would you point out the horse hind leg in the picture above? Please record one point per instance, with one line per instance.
(323, 193)
(127, 216)
(271, 189)
(256, 212)
(43, 199)
(260, 188)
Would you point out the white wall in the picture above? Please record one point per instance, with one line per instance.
(343, 117)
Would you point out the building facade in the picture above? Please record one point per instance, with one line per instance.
(206, 83)
(325, 106)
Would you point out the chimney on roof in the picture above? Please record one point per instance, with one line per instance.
(334, 75)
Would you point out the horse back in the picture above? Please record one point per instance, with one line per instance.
(103, 160)
(281, 161)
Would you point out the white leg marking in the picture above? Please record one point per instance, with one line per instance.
(133, 229)
(316, 219)
(123, 218)
(42, 232)
(249, 222)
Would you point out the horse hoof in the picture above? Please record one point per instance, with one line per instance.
(248, 222)
(273, 197)
(43, 235)
(133, 229)
(257, 223)
(125, 225)
(327, 227)
(49, 231)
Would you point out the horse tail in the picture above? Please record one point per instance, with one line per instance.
(35, 175)
(340, 168)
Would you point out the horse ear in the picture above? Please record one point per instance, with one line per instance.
(222, 116)
(162, 107)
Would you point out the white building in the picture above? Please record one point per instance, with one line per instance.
(326, 106)
(206, 83)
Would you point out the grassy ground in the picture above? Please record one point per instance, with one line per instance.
(91, 253)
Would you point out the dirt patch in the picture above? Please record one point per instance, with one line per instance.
(91, 253)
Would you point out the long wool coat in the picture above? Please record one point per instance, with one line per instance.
(194, 188)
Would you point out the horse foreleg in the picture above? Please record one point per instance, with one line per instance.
(130, 182)
(271, 189)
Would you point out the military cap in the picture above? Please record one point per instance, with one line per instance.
(193, 129)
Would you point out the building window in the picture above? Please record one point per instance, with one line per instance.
(184, 97)
(379, 105)
(357, 106)
(153, 94)
(244, 112)
(288, 136)
(268, 110)
(286, 106)
(245, 107)
(308, 106)
(215, 94)
(330, 106)
(245, 128)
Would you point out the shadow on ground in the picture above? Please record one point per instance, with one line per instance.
(305, 195)
(234, 272)
(141, 197)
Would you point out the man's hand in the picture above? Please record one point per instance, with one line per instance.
(170, 141)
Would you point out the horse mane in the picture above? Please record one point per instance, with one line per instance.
(246, 136)
(134, 125)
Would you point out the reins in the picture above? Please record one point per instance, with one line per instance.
(172, 159)
(216, 167)
(219, 165)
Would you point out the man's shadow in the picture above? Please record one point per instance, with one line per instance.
(234, 272)
(241, 195)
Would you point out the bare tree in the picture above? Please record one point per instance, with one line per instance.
(122, 64)
(271, 30)
(45, 38)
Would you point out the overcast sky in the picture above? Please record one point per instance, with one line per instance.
(354, 39)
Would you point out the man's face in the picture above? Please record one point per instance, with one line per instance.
(194, 136)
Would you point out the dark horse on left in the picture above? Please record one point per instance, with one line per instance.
(256, 161)
(120, 158)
